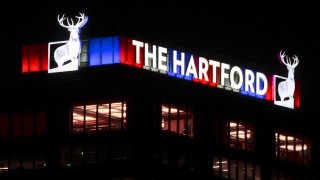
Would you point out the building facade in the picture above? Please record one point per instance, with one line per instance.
(134, 110)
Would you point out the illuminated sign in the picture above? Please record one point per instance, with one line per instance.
(156, 58)
(281, 91)
(285, 88)
(64, 55)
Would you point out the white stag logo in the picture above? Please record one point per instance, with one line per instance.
(286, 88)
(70, 50)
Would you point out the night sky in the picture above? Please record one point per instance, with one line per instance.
(248, 35)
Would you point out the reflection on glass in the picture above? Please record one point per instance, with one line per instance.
(177, 120)
(240, 136)
(102, 117)
(291, 148)
(4, 162)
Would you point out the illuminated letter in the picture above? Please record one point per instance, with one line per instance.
(214, 65)
(138, 45)
(192, 68)
(152, 55)
(162, 58)
(249, 80)
(223, 74)
(260, 76)
(177, 62)
(235, 85)
(203, 71)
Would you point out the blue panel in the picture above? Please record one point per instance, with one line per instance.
(116, 49)
(94, 51)
(107, 50)
(178, 74)
(170, 62)
(186, 63)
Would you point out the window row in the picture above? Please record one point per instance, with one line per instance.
(293, 148)
(99, 117)
(27, 158)
(27, 124)
(99, 153)
(235, 169)
(103, 117)
(288, 147)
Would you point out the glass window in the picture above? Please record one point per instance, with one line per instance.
(15, 160)
(17, 126)
(65, 156)
(27, 158)
(235, 169)
(240, 135)
(21, 125)
(77, 155)
(4, 126)
(90, 153)
(101, 117)
(291, 147)
(39, 159)
(40, 123)
(84, 54)
(4, 162)
(91, 118)
(28, 124)
(78, 119)
(177, 120)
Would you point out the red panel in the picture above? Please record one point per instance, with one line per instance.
(28, 124)
(123, 50)
(17, 125)
(140, 65)
(44, 57)
(297, 95)
(34, 58)
(130, 52)
(269, 93)
(4, 126)
(40, 123)
(25, 59)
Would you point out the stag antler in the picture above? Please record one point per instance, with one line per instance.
(82, 19)
(295, 61)
(60, 20)
(286, 60)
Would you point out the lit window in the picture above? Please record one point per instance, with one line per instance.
(240, 135)
(292, 148)
(99, 117)
(177, 120)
